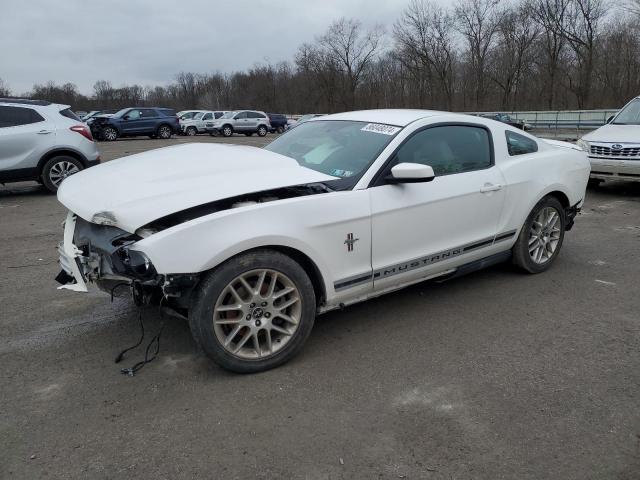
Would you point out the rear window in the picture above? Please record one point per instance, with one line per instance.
(69, 114)
(519, 144)
(16, 116)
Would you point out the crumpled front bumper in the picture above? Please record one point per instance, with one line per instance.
(70, 259)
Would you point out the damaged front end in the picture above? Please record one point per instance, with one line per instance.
(102, 255)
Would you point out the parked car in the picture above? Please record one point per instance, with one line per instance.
(198, 123)
(304, 118)
(81, 114)
(614, 149)
(90, 117)
(242, 121)
(252, 243)
(42, 141)
(187, 114)
(504, 118)
(279, 122)
(131, 122)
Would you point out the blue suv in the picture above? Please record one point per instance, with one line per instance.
(131, 122)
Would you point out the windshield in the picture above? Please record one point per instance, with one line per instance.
(342, 149)
(120, 113)
(629, 115)
(188, 115)
(228, 115)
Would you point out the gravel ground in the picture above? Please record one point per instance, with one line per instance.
(494, 375)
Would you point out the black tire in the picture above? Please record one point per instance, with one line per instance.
(227, 131)
(213, 284)
(191, 131)
(521, 256)
(262, 131)
(109, 134)
(49, 177)
(280, 129)
(164, 132)
(594, 182)
(249, 134)
(213, 133)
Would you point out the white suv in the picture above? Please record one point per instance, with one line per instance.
(42, 141)
(614, 149)
(197, 124)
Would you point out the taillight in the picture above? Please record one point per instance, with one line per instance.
(83, 130)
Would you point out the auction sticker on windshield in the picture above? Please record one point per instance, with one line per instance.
(381, 128)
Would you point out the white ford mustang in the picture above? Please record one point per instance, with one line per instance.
(252, 243)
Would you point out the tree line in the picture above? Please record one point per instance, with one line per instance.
(473, 55)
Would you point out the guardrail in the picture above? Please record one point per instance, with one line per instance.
(561, 119)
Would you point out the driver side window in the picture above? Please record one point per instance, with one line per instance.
(448, 149)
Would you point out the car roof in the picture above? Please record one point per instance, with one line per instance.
(23, 102)
(398, 117)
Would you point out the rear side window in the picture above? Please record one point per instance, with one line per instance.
(149, 113)
(69, 114)
(167, 112)
(449, 149)
(16, 116)
(519, 144)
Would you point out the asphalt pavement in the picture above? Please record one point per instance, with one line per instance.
(496, 375)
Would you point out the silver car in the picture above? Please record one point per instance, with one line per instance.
(43, 141)
(241, 121)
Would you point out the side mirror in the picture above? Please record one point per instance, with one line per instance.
(411, 173)
(610, 118)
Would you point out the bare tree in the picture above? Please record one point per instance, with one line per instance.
(351, 51)
(4, 89)
(478, 22)
(425, 46)
(516, 34)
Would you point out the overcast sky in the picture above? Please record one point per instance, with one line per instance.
(149, 41)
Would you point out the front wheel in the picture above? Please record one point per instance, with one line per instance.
(227, 131)
(541, 236)
(262, 131)
(191, 131)
(253, 312)
(109, 134)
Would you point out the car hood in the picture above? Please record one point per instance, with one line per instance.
(138, 189)
(615, 134)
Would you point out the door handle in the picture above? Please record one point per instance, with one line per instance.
(490, 187)
(44, 132)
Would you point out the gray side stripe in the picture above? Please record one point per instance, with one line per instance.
(419, 262)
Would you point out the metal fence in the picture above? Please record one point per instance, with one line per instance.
(561, 119)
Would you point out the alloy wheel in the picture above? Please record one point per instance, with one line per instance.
(61, 170)
(544, 235)
(164, 132)
(257, 314)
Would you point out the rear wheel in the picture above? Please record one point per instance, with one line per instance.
(57, 169)
(249, 134)
(254, 312)
(594, 182)
(541, 236)
(280, 129)
(109, 134)
(164, 132)
(262, 131)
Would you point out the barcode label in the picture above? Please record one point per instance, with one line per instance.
(381, 128)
